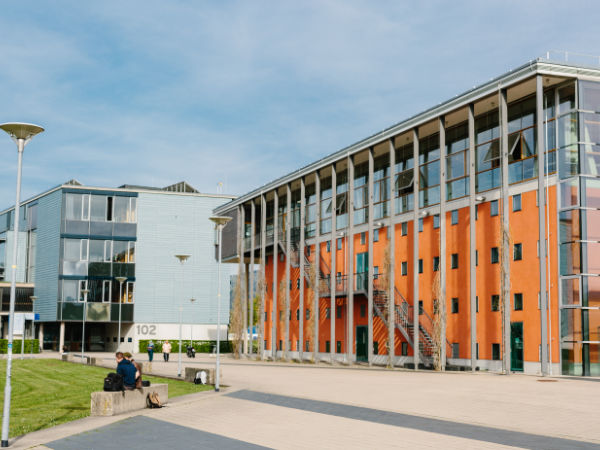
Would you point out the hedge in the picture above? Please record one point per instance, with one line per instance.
(200, 346)
(17, 346)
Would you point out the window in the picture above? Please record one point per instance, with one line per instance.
(476, 258)
(476, 303)
(376, 235)
(494, 208)
(477, 350)
(98, 208)
(420, 224)
(328, 244)
(375, 348)
(339, 243)
(307, 314)
(338, 312)
(420, 266)
(404, 349)
(495, 303)
(421, 307)
(298, 314)
(516, 202)
(455, 350)
(327, 313)
(455, 305)
(375, 272)
(266, 316)
(436, 221)
(327, 347)
(307, 346)
(404, 268)
(70, 290)
(362, 238)
(436, 263)
(517, 252)
(454, 217)
(454, 261)
(106, 285)
(404, 228)
(363, 310)
(495, 255)
(298, 283)
(476, 212)
(308, 250)
(496, 352)
(338, 347)
(518, 302)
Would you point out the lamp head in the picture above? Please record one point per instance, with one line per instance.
(182, 258)
(120, 279)
(220, 220)
(24, 131)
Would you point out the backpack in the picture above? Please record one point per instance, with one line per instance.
(113, 382)
(153, 401)
(200, 377)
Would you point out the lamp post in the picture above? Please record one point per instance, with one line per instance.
(192, 300)
(182, 259)
(33, 299)
(21, 134)
(220, 222)
(85, 293)
(120, 280)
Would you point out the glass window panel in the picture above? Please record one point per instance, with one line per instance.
(119, 251)
(568, 163)
(95, 287)
(404, 203)
(590, 127)
(488, 180)
(570, 291)
(132, 210)
(591, 188)
(121, 209)
(591, 290)
(456, 165)
(570, 258)
(592, 257)
(592, 224)
(570, 324)
(98, 208)
(567, 130)
(566, 98)
(73, 206)
(550, 131)
(72, 250)
(569, 193)
(430, 175)
(590, 159)
(589, 96)
(96, 250)
(130, 291)
(429, 196)
(70, 290)
(457, 188)
(570, 227)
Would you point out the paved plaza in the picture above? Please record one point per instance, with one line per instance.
(277, 405)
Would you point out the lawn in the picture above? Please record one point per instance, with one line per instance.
(48, 392)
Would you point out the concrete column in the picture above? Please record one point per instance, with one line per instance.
(472, 239)
(252, 291)
(288, 252)
(539, 115)
(263, 274)
(370, 268)
(61, 338)
(350, 256)
(505, 226)
(391, 276)
(275, 317)
(318, 264)
(41, 336)
(301, 260)
(416, 350)
(333, 279)
(442, 304)
(242, 275)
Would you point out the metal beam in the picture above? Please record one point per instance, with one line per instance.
(391, 235)
(442, 304)
(370, 259)
(504, 232)
(415, 264)
(263, 274)
(251, 283)
(333, 253)
(350, 255)
(472, 238)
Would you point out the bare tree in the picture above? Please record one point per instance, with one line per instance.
(281, 301)
(260, 307)
(439, 321)
(236, 323)
(388, 313)
(312, 317)
(505, 242)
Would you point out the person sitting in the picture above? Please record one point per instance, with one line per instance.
(138, 369)
(127, 370)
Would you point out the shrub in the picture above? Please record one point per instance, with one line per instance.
(200, 346)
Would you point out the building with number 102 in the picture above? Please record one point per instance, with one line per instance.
(467, 235)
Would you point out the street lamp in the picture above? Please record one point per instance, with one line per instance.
(85, 293)
(192, 300)
(21, 134)
(182, 258)
(33, 299)
(120, 280)
(220, 222)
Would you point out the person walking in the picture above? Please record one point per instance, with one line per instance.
(150, 349)
(166, 348)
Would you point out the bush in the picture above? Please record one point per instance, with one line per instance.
(200, 346)
(17, 346)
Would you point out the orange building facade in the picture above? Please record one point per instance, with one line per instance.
(360, 257)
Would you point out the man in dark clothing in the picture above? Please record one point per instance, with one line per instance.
(127, 370)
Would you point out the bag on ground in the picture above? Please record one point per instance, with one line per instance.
(153, 400)
(200, 377)
(145, 383)
(113, 382)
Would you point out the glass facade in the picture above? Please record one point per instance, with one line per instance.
(579, 223)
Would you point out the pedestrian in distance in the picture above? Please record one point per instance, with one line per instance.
(150, 350)
(166, 348)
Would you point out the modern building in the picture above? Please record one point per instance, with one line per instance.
(103, 252)
(426, 241)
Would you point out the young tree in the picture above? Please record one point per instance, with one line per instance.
(312, 317)
(236, 323)
(439, 321)
(259, 309)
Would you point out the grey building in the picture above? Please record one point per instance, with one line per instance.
(75, 238)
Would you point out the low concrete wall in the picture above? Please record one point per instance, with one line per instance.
(76, 358)
(190, 374)
(112, 403)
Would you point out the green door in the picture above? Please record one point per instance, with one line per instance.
(516, 346)
(362, 264)
(361, 343)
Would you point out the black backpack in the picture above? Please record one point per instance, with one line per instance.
(113, 382)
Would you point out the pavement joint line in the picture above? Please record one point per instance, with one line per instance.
(422, 423)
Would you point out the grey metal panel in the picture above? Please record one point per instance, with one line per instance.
(47, 255)
(460, 101)
(169, 224)
(229, 236)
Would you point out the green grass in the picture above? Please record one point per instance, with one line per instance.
(48, 392)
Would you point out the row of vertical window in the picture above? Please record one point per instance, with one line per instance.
(105, 291)
(100, 208)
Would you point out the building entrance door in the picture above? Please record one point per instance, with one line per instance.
(516, 346)
(362, 343)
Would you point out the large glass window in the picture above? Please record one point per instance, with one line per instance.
(98, 208)
(487, 151)
(381, 187)
(361, 193)
(341, 203)
(326, 205)
(429, 170)
(403, 185)
(77, 206)
(457, 161)
(310, 216)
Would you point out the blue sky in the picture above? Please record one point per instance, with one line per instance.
(154, 92)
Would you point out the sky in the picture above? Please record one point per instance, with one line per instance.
(243, 92)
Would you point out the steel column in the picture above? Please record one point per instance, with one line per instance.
(251, 283)
(505, 230)
(350, 255)
(301, 256)
(333, 253)
(472, 239)
(391, 276)
(274, 317)
(416, 347)
(263, 272)
(442, 304)
(370, 277)
(316, 316)
(288, 251)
